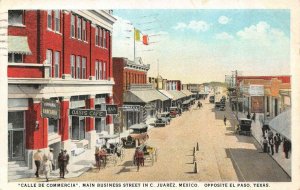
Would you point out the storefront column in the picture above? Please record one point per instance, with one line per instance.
(109, 120)
(64, 123)
(90, 123)
(36, 131)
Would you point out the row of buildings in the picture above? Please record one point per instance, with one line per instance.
(61, 79)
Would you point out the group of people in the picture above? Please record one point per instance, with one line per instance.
(45, 163)
(270, 141)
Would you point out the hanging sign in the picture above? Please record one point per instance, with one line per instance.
(112, 109)
(87, 113)
(50, 109)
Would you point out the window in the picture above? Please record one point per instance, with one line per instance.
(16, 17)
(104, 70)
(83, 30)
(49, 60)
(79, 28)
(97, 36)
(78, 67)
(52, 126)
(101, 38)
(72, 26)
(57, 20)
(78, 128)
(100, 70)
(83, 68)
(104, 38)
(49, 19)
(15, 58)
(72, 61)
(56, 64)
(97, 70)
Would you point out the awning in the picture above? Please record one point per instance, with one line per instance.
(187, 93)
(166, 93)
(282, 124)
(18, 44)
(143, 96)
(186, 102)
(176, 94)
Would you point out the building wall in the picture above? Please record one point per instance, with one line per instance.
(40, 38)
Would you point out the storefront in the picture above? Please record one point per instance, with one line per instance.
(100, 123)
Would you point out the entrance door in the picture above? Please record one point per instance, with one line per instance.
(16, 136)
(15, 145)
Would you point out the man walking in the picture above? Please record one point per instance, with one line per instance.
(225, 119)
(67, 158)
(277, 142)
(37, 161)
(265, 145)
(61, 163)
(271, 143)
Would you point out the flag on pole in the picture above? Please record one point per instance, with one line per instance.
(145, 40)
(137, 35)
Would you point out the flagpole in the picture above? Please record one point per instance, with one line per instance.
(133, 44)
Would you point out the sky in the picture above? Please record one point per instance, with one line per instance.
(203, 45)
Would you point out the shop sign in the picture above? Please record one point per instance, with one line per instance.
(256, 90)
(257, 104)
(87, 113)
(50, 109)
(131, 108)
(111, 109)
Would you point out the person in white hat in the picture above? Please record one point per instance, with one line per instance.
(50, 158)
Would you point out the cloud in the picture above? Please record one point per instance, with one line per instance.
(262, 31)
(223, 36)
(223, 20)
(198, 26)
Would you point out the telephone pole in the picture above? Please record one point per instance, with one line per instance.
(237, 95)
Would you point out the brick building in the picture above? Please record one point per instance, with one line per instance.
(65, 57)
(125, 73)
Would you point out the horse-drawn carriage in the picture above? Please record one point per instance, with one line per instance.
(144, 153)
(137, 136)
(109, 151)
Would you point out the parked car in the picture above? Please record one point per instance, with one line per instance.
(160, 122)
(175, 111)
(166, 116)
(222, 108)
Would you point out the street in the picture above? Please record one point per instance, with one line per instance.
(222, 155)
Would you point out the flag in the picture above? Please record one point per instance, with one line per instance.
(145, 40)
(137, 35)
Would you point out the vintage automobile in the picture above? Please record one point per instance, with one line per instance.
(166, 116)
(244, 127)
(160, 122)
(211, 99)
(175, 111)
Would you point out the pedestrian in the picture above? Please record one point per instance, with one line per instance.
(66, 159)
(254, 116)
(50, 158)
(248, 116)
(37, 161)
(61, 163)
(265, 145)
(270, 134)
(225, 119)
(271, 143)
(286, 147)
(277, 142)
(47, 167)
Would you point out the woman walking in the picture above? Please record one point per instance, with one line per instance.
(47, 168)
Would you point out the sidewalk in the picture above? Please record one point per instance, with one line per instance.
(279, 157)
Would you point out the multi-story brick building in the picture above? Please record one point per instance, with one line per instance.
(125, 73)
(64, 56)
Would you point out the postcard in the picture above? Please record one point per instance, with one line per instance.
(149, 95)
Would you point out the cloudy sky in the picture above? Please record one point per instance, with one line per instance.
(203, 45)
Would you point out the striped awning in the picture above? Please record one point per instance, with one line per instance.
(18, 44)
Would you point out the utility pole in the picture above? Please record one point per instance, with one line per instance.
(237, 95)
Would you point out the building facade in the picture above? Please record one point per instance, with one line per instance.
(174, 85)
(63, 57)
